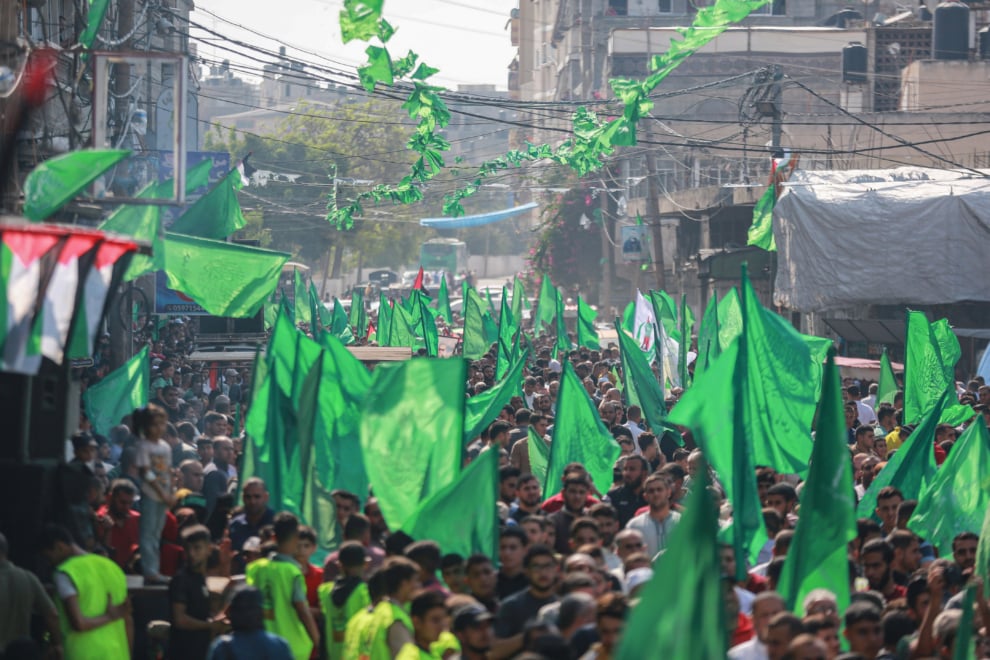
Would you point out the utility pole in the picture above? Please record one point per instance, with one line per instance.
(653, 211)
(605, 293)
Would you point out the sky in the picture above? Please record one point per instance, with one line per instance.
(466, 39)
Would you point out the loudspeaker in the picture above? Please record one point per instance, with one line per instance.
(37, 411)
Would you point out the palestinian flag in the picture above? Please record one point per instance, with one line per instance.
(111, 260)
(43, 272)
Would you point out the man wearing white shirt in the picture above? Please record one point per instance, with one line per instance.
(634, 416)
(765, 606)
(864, 413)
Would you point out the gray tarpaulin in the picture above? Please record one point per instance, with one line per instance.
(902, 236)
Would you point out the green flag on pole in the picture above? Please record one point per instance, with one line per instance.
(579, 435)
(408, 403)
(912, 468)
(887, 385)
(50, 185)
(508, 327)
(475, 342)
(539, 455)
(303, 312)
(641, 387)
(931, 353)
(546, 306)
(226, 279)
(217, 214)
(443, 302)
(686, 328)
(959, 493)
(429, 328)
(681, 612)
(818, 555)
(519, 301)
(587, 335)
(482, 409)
(339, 326)
(708, 344)
(761, 231)
(563, 341)
(119, 393)
(462, 517)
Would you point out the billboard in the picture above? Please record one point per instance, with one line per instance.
(635, 245)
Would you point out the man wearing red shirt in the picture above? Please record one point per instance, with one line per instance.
(119, 523)
(312, 575)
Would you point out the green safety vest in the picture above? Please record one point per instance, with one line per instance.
(413, 652)
(337, 618)
(357, 637)
(275, 580)
(445, 642)
(95, 578)
(386, 613)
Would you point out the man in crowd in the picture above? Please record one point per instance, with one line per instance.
(659, 521)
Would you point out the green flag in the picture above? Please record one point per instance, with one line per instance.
(818, 555)
(539, 455)
(475, 343)
(931, 353)
(761, 231)
(491, 303)
(482, 409)
(462, 517)
(964, 647)
(982, 567)
(50, 185)
(681, 612)
(358, 314)
(641, 387)
(226, 279)
(912, 467)
(94, 18)
(429, 326)
(959, 493)
(118, 394)
(668, 338)
(217, 214)
(708, 344)
(519, 301)
(780, 390)
(339, 326)
(413, 410)
(579, 435)
(563, 341)
(587, 335)
(729, 318)
(507, 329)
(303, 312)
(443, 302)
(546, 306)
(403, 332)
(384, 320)
(887, 385)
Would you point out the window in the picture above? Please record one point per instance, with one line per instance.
(664, 6)
(774, 8)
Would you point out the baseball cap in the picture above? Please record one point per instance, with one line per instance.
(469, 616)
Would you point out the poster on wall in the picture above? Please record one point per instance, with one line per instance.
(635, 246)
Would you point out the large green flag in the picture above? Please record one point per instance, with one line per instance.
(641, 387)
(887, 385)
(412, 430)
(931, 353)
(959, 494)
(217, 214)
(119, 393)
(519, 301)
(482, 409)
(579, 435)
(982, 567)
(271, 434)
(760, 232)
(818, 555)
(357, 312)
(780, 391)
(911, 469)
(563, 341)
(681, 612)
(463, 516)
(708, 344)
(384, 321)
(403, 332)
(475, 342)
(668, 337)
(50, 185)
(226, 279)
(539, 455)
(587, 335)
(443, 302)
(303, 312)
(546, 306)
(729, 318)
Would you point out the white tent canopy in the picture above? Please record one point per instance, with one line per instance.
(910, 235)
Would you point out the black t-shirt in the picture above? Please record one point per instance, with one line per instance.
(626, 502)
(508, 586)
(516, 611)
(189, 588)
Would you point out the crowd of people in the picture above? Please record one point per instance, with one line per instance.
(160, 498)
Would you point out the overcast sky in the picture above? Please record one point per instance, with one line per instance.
(465, 39)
